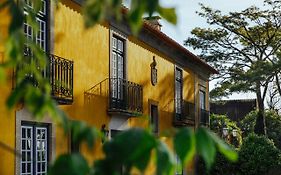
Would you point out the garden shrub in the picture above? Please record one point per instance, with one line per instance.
(258, 156)
(273, 126)
(221, 167)
(218, 122)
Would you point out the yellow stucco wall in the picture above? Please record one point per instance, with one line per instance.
(90, 49)
(139, 58)
(7, 118)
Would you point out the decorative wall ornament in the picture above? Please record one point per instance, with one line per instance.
(153, 72)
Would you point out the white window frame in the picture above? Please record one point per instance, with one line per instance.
(115, 81)
(42, 17)
(38, 148)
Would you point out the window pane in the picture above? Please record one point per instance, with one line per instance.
(41, 149)
(202, 100)
(178, 89)
(41, 19)
(39, 138)
(26, 149)
(114, 45)
(120, 45)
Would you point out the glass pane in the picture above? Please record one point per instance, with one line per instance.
(23, 144)
(38, 131)
(23, 156)
(29, 144)
(38, 167)
(41, 150)
(29, 133)
(38, 145)
(43, 168)
(28, 168)
(202, 100)
(120, 45)
(38, 156)
(23, 169)
(43, 156)
(114, 43)
(23, 133)
(28, 155)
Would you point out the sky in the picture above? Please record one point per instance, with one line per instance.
(188, 19)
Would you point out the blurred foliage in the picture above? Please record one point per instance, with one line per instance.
(133, 148)
(96, 11)
(273, 125)
(222, 166)
(218, 122)
(121, 157)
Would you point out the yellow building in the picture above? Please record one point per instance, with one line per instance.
(106, 77)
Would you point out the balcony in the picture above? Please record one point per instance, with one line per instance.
(204, 117)
(59, 72)
(185, 114)
(125, 98)
(61, 79)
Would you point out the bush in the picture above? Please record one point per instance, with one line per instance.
(258, 156)
(221, 167)
(218, 122)
(273, 125)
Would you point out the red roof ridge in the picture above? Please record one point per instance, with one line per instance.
(172, 42)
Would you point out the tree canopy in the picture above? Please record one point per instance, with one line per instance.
(244, 46)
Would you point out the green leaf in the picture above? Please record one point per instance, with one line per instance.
(16, 95)
(223, 148)
(135, 18)
(132, 147)
(165, 161)
(184, 145)
(168, 14)
(17, 17)
(69, 164)
(205, 146)
(82, 132)
(94, 11)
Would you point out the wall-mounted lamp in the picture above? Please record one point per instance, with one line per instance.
(234, 132)
(225, 131)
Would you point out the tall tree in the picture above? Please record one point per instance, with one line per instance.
(243, 46)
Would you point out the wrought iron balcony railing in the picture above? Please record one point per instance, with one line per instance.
(61, 79)
(59, 72)
(184, 113)
(204, 117)
(124, 97)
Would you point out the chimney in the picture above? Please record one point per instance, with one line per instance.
(154, 21)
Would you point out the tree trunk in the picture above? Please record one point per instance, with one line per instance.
(277, 83)
(260, 127)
